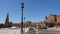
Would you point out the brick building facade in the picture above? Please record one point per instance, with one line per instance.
(52, 19)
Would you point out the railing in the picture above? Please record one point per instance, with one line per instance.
(44, 31)
(48, 31)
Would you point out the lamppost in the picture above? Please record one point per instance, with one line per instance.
(22, 6)
(24, 25)
(37, 29)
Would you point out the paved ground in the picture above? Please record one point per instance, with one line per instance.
(11, 30)
(17, 31)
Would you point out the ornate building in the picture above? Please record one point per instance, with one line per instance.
(58, 18)
(7, 23)
(52, 19)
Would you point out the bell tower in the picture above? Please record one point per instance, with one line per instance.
(7, 20)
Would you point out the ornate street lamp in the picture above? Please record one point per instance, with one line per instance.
(22, 6)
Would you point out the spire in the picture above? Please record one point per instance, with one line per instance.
(46, 17)
(7, 20)
(7, 16)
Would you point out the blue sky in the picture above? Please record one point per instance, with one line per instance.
(34, 10)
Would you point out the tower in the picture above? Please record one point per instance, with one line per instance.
(46, 17)
(7, 20)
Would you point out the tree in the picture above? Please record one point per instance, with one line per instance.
(2, 26)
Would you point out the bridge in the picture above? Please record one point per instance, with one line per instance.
(42, 31)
